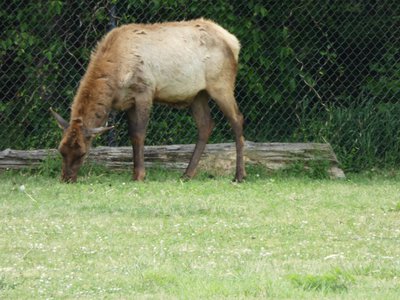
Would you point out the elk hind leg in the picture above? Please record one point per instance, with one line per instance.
(223, 96)
(202, 116)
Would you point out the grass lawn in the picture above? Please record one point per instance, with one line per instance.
(280, 237)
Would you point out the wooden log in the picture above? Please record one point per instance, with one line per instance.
(216, 159)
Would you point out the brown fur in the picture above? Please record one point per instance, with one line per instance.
(179, 63)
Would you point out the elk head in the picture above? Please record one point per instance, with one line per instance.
(74, 145)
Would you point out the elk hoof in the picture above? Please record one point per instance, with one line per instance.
(139, 176)
(239, 178)
(186, 177)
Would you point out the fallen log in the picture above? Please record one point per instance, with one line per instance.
(217, 158)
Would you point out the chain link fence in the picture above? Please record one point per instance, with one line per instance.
(310, 71)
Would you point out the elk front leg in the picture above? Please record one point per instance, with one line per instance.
(138, 118)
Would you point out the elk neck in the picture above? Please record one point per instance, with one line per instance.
(93, 101)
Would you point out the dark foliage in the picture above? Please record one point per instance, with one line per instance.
(321, 71)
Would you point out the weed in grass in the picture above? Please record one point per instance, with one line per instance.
(50, 167)
(396, 208)
(255, 172)
(312, 170)
(376, 270)
(317, 169)
(5, 285)
(154, 280)
(333, 281)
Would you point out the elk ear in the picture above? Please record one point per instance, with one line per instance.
(60, 121)
(91, 132)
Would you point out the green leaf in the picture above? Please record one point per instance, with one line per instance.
(292, 84)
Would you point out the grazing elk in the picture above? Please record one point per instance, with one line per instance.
(180, 64)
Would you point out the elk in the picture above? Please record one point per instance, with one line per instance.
(181, 64)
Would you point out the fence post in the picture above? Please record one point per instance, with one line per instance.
(111, 136)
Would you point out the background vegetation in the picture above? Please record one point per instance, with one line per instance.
(317, 71)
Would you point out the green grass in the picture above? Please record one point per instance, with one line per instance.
(276, 237)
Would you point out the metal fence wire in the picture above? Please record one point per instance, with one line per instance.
(310, 71)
